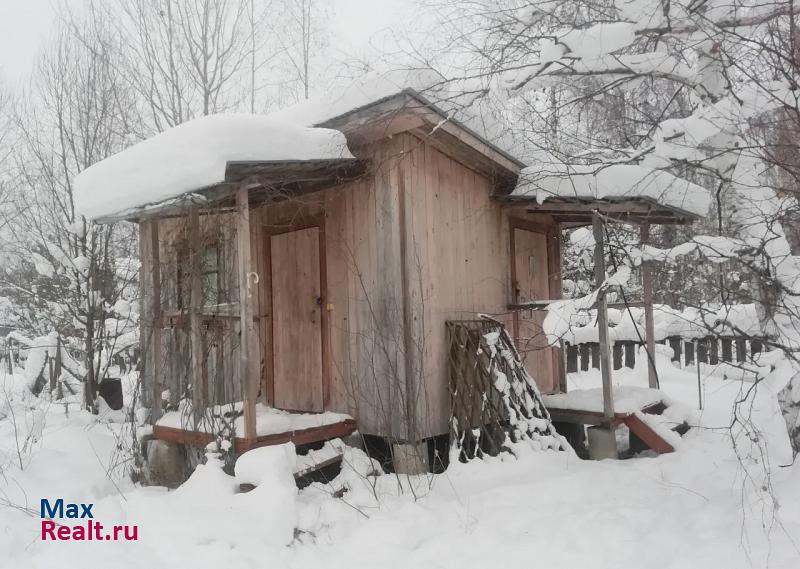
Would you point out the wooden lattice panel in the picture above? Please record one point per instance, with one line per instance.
(495, 403)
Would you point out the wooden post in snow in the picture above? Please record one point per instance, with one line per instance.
(248, 352)
(151, 228)
(647, 292)
(602, 318)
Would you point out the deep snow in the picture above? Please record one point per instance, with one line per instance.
(701, 506)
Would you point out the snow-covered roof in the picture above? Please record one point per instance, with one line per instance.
(193, 156)
(615, 182)
(365, 91)
(452, 100)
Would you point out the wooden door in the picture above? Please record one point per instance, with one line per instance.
(530, 281)
(296, 320)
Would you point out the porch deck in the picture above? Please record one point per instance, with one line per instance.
(273, 427)
(584, 407)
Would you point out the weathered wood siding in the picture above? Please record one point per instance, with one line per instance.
(219, 379)
(362, 334)
(457, 260)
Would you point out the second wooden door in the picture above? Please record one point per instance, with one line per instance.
(531, 282)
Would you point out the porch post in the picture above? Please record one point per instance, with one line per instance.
(151, 232)
(647, 293)
(199, 399)
(602, 318)
(248, 349)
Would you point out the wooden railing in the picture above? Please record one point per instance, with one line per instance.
(686, 351)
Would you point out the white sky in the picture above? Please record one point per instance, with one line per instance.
(24, 24)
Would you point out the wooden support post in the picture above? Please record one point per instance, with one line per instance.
(155, 319)
(602, 319)
(647, 293)
(248, 349)
(196, 312)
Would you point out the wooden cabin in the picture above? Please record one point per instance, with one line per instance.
(344, 272)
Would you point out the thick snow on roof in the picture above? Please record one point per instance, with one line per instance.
(366, 90)
(463, 101)
(618, 181)
(194, 155)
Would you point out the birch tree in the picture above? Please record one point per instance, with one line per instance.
(69, 276)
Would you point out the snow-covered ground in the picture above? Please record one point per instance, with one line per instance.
(706, 505)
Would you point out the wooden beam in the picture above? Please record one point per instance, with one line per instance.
(299, 437)
(248, 348)
(629, 207)
(647, 293)
(602, 318)
(579, 219)
(155, 317)
(648, 436)
(182, 436)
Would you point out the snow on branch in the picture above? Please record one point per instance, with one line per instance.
(562, 315)
(714, 248)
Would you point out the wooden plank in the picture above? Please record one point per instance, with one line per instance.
(300, 437)
(297, 324)
(585, 353)
(676, 343)
(690, 352)
(182, 436)
(318, 466)
(248, 349)
(325, 314)
(741, 349)
(617, 355)
(651, 438)
(727, 349)
(594, 349)
(702, 350)
(713, 350)
(572, 358)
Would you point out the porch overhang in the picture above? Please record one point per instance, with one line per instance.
(578, 211)
(264, 180)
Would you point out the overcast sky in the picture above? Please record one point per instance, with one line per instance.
(24, 24)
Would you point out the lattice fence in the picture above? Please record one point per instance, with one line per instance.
(495, 403)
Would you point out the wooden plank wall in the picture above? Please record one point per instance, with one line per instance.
(458, 265)
(364, 334)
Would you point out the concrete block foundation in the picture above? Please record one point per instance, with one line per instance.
(602, 443)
